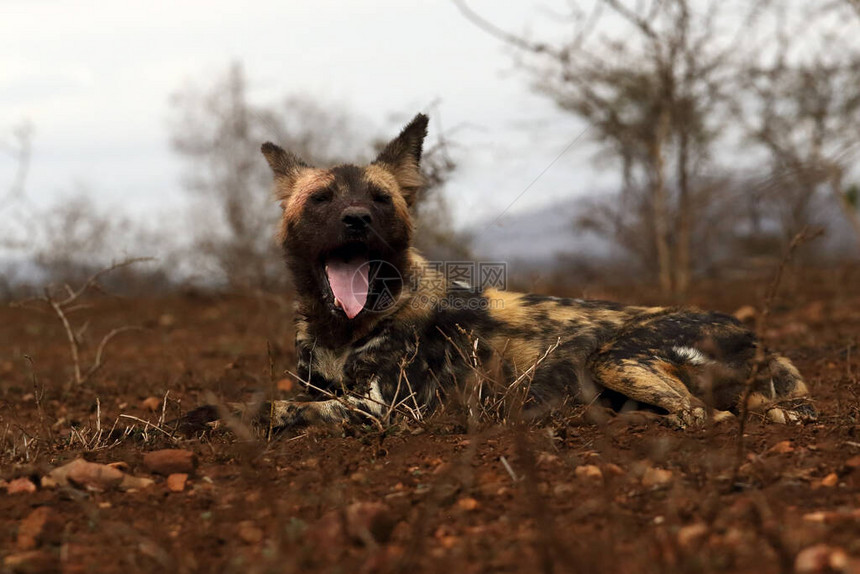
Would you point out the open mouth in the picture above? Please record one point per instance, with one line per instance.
(347, 270)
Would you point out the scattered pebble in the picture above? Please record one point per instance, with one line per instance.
(47, 482)
(21, 485)
(286, 385)
(588, 472)
(150, 404)
(249, 533)
(170, 461)
(32, 561)
(830, 480)
(130, 482)
(692, 535)
(88, 475)
(820, 558)
(547, 459)
(832, 516)
(176, 481)
(467, 503)
(656, 478)
(782, 447)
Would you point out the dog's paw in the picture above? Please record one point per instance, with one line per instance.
(803, 414)
(696, 417)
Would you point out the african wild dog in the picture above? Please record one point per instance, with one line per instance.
(377, 327)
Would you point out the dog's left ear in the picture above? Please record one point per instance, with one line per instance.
(285, 165)
(402, 156)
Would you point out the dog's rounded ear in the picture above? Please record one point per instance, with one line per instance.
(402, 156)
(286, 166)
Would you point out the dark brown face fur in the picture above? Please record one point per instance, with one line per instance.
(347, 211)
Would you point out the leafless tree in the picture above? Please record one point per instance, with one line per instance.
(218, 131)
(19, 150)
(650, 79)
(803, 108)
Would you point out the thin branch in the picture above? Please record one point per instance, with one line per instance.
(97, 364)
(804, 236)
(62, 307)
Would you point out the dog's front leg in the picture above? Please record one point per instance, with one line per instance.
(369, 406)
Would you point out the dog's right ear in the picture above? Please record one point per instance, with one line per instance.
(285, 165)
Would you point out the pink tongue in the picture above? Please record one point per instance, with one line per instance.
(348, 282)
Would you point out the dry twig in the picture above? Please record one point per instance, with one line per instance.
(64, 305)
(805, 235)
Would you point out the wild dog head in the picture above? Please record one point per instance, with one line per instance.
(346, 230)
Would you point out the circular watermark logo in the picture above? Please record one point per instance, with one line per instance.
(384, 284)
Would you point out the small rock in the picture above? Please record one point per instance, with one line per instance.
(782, 447)
(21, 485)
(150, 404)
(87, 475)
(166, 320)
(176, 481)
(249, 533)
(467, 503)
(130, 482)
(588, 472)
(830, 480)
(42, 526)
(820, 558)
(47, 482)
(692, 535)
(745, 313)
(547, 459)
(32, 561)
(853, 462)
(613, 469)
(286, 385)
(832, 516)
(656, 478)
(170, 461)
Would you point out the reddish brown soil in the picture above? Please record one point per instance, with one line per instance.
(451, 504)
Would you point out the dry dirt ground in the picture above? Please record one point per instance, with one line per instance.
(579, 492)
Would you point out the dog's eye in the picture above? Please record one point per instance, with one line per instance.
(381, 197)
(322, 196)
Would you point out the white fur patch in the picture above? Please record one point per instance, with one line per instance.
(691, 355)
(372, 402)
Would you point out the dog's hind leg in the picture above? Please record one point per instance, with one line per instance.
(781, 394)
(652, 381)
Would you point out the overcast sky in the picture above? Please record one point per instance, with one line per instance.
(94, 79)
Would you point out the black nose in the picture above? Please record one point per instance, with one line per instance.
(356, 218)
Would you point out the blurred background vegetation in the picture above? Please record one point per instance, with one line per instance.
(730, 127)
